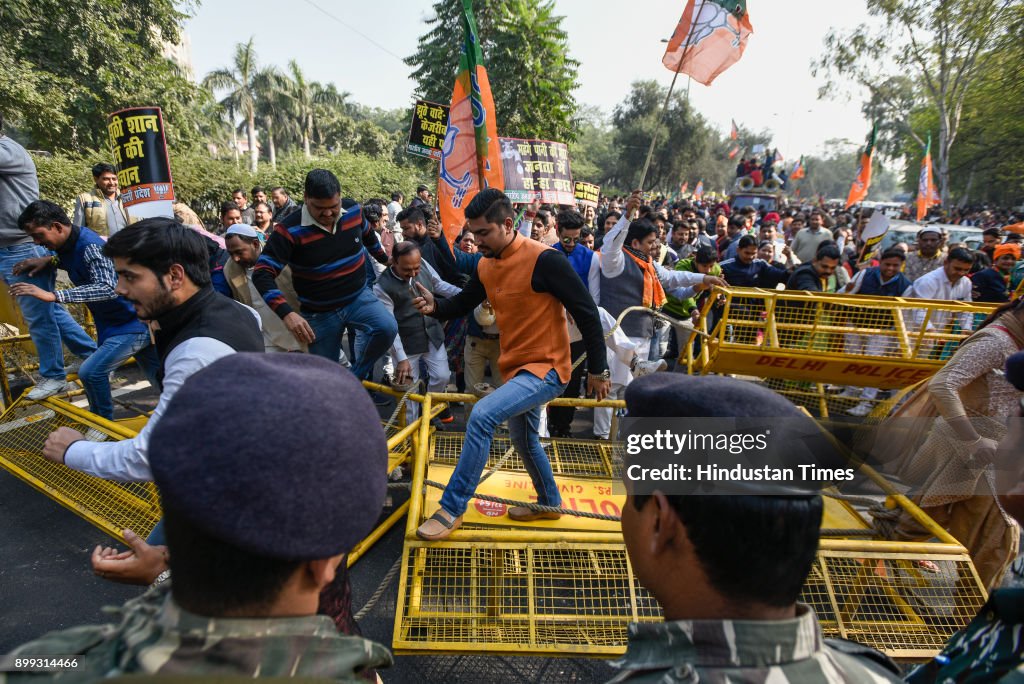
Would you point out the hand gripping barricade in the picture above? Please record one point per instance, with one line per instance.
(802, 342)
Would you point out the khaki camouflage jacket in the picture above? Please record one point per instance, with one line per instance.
(757, 651)
(155, 636)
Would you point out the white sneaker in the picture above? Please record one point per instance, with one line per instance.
(73, 367)
(862, 409)
(47, 388)
(850, 393)
(643, 368)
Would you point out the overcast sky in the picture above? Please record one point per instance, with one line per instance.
(616, 42)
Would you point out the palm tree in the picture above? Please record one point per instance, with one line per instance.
(275, 108)
(239, 82)
(327, 99)
(305, 96)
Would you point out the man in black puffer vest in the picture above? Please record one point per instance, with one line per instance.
(163, 270)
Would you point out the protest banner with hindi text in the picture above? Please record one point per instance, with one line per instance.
(143, 168)
(587, 194)
(537, 170)
(426, 134)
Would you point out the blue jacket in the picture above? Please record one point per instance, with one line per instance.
(112, 316)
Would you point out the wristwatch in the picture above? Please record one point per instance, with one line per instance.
(161, 578)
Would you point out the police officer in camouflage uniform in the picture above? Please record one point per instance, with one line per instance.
(727, 569)
(258, 520)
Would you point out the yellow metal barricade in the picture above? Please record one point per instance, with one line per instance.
(17, 353)
(111, 506)
(811, 346)
(884, 342)
(565, 587)
(114, 506)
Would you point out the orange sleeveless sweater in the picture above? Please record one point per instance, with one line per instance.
(534, 331)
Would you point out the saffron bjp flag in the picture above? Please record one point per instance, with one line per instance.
(698, 192)
(734, 151)
(710, 37)
(798, 171)
(925, 184)
(471, 153)
(862, 183)
(734, 134)
(684, 187)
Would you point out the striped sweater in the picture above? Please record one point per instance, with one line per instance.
(328, 269)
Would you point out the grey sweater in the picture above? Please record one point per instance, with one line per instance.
(18, 187)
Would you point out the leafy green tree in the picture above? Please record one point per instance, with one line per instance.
(526, 52)
(593, 154)
(985, 162)
(683, 137)
(240, 83)
(925, 52)
(832, 174)
(66, 64)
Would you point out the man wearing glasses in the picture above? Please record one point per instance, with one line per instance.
(587, 265)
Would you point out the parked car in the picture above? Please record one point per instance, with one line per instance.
(906, 231)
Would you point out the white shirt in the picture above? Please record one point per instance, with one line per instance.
(394, 209)
(128, 460)
(438, 286)
(620, 350)
(613, 261)
(935, 285)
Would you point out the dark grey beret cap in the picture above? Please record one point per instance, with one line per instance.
(281, 455)
(675, 395)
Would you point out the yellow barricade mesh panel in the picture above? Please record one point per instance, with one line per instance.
(111, 506)
(569, 457)
(888, 601)
(883, 342)
(567, 598)
(578, 598)
(397, 453)
(824, 401)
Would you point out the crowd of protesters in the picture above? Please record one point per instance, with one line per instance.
(504, 311)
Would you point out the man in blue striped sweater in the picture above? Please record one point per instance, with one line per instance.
(326, 248)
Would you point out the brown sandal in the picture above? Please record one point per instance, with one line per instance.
(438, 526)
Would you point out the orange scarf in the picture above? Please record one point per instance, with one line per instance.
(654, 293)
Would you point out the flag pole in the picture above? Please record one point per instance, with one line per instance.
(664, 108)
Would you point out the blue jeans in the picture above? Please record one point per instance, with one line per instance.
(518, 401)
(377, 328)
(48, 324)
(115, 350)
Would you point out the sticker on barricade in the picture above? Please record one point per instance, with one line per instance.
(589, 496)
